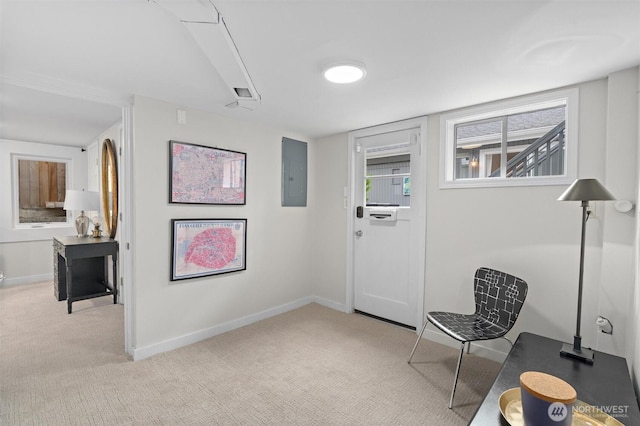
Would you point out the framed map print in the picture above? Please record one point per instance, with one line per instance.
(204, 175)
(202, 247)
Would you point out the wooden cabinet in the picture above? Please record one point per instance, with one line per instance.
(81, 268)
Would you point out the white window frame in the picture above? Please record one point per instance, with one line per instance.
(391, 150)
(508, 107)
(15, 196)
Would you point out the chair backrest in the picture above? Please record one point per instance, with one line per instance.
(499, 296)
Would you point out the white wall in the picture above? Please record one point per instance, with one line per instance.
(634, 330)
(94, 155)
(522, 230)
(279, 241)
(330, 222)
(26, 254)
(526, 232)
(618, 252)
(24, 262)
(94, 161)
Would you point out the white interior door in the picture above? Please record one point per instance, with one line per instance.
(388, 259)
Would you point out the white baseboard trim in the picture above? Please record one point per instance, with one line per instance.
(330, 304)
(191, 338)
(26, 280)
(476, 348)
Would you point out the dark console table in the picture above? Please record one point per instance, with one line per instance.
(81, 269)
(605, 384)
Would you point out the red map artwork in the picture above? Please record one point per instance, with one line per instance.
(212, 249)
(206, 175)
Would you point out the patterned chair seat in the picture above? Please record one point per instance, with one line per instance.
(466, 328)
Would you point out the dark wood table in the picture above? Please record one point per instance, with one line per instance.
(80, 268)
(606, 384)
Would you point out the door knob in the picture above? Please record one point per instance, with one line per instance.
(358, 233)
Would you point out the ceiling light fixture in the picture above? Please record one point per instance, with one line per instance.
(344, 72)
(209, 30)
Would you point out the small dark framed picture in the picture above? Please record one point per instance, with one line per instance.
(203, 247)
(205, 175)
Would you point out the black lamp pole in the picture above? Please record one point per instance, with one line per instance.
(582, 190)
(577, 351)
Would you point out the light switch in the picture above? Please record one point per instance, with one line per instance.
(182, 116)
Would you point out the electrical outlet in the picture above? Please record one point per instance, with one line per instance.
(604, 325)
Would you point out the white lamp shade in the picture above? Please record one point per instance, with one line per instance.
(81, 200)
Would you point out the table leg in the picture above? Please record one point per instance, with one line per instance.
(69, 267)
(114, 258)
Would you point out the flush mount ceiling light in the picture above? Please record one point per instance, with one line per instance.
(344, 72)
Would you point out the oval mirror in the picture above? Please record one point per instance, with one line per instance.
(109, 188)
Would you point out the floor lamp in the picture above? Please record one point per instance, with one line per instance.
(583, 190)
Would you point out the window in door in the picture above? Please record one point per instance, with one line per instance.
(388, 176)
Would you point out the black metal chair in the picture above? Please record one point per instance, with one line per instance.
(498, 297)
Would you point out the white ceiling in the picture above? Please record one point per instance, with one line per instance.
(66, 66)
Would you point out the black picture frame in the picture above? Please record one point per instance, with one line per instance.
(204, 247)
(200, 174)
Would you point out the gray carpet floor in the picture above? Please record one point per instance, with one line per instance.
(310, 366)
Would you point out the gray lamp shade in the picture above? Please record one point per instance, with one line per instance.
(586, 190)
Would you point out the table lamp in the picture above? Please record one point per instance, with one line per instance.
(81, 200)
(583, 190)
